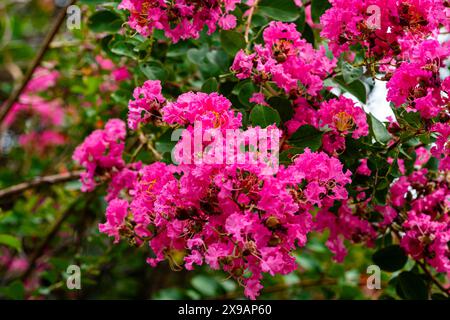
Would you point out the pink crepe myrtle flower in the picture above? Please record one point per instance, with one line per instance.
(121, 74)
(104, 63)
(286, 59)
(363, 169)
(342, 116)
(115, 217)
(381, 25)
(427, 239)
(42, 79)
(179, 19)
(147, 104)
(101, 151)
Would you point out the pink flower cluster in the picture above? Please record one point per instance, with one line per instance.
(180, 19)
(337, 117)
(417, 84)
(48, 113)
(426, 227)
(114, 74)
(234, 217)
(147, 104)
(384, 27)
(229, 217)
(101, 152)
(289, 61)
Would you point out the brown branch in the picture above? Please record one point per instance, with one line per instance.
(35, 63)
(433, 279)
(39, 181)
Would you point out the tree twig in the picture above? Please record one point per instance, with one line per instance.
(35, 63)
(433, 279)
(39, 181)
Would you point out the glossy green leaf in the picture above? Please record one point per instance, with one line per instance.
(264, 116)
(105, 21)
(307, 136)
(379, 130)
(390, 258)
(282, 10)
(232, 41)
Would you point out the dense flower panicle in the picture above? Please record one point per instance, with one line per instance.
(123, 180)
(232, 217)
(147, 104)
(286, 59)
(212, 110)
(233, 207)
(382, 26)
(417, 84)
(427, 239)
(426, 199)
(338, 118)
(101, 151)
(180, 19)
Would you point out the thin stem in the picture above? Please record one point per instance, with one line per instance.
(435, 281)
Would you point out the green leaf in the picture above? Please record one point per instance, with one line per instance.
(264, 116)
(282, 10)
(164, 143)
(356, 88)
(153, 70)
(10, 241)
(121, 48)
(232, 41)
(206, 285)
(411, 286)
(105, 21)
(432, 164)
(390, 258)
(318, 7)
(349, 72)
(283, 106)
(307, 136)
(210, 85)
(14, 291)
(245, 93)
(378, 129)
(301, 20)
(197, 56)
(308, 34)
